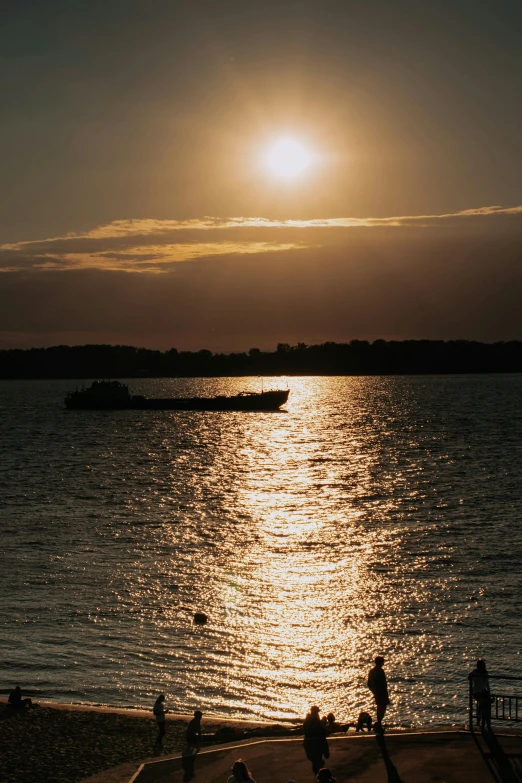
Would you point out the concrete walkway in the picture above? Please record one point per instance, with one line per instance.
(422, 757)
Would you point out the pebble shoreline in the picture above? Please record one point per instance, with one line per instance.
(66, 744)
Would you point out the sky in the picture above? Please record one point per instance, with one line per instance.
(141, 202)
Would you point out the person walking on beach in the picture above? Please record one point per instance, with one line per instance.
(160, 711)
(315, 742)
(481, 693)
(193, 733)
(240, 773)
(379, 687)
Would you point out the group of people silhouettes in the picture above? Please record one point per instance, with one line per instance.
(315, 730)
(193, 733)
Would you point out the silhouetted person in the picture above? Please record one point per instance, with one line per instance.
(15, 699)
(240, 773)
(364, 721)
(193, 733)
(484, 709)
(333, 726)
(379, 687)
(315, 742)
(481, 693)
(325, 776)
(160, 711)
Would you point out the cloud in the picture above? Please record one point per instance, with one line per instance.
(139, 258)
(150, 245)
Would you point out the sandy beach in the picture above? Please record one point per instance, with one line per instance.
(62, 743)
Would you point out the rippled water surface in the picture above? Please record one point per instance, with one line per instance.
(375, 515)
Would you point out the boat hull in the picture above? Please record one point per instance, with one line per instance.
(265, 401)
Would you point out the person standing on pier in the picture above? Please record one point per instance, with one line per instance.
(379, 687)
(481, 693)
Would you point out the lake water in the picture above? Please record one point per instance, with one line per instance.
(374, 516)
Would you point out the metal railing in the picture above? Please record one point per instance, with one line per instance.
(504, 706)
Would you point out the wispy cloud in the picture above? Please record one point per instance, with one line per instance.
(149, 258)
(150, 245)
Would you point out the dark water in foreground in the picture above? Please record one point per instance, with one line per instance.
(376, 515)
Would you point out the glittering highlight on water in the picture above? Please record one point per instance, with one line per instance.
(375, 515)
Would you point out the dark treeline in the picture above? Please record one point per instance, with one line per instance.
(358, 357)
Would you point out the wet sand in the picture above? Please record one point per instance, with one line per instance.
(62, 743)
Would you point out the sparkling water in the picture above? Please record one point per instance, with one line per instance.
(372, 516)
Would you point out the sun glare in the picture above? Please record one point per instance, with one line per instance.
(288, 158)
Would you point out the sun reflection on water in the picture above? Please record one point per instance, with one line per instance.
(371, 517)
(309, 562)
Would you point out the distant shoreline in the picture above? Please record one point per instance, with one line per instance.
(284, 376)
(354, 359)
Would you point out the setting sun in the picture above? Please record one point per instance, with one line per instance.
(288, 158)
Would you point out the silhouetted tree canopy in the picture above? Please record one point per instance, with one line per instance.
(358, 357)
